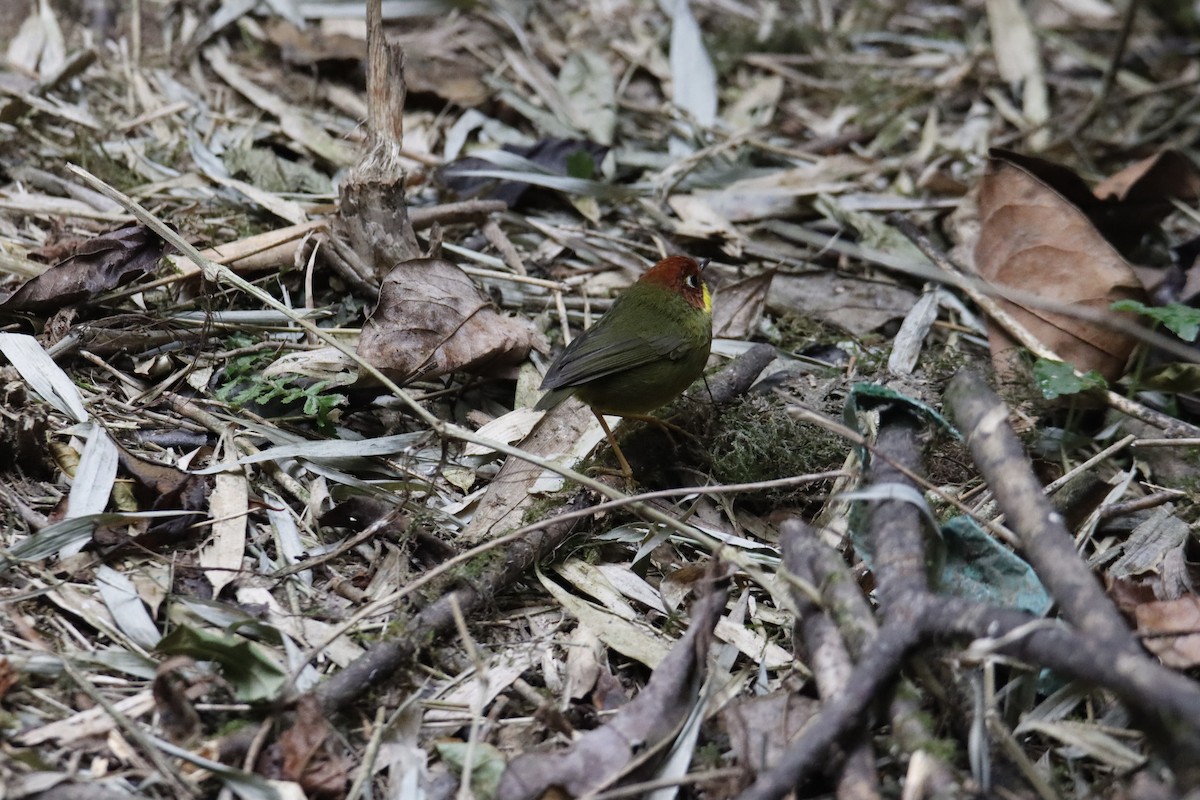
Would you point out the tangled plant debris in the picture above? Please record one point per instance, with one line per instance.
(280, 284)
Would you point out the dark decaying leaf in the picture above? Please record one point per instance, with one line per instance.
(599, 756)
(98, 265)
(1034, 240)
(432, 320)
(557, 156)
(303, 753)
(1138, 198)
(177, 715)
(161, 487)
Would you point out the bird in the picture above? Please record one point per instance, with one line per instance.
(650, 346)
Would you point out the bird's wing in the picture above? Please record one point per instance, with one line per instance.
(590, 357)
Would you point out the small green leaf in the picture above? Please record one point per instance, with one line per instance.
(1183, 321)
(580, 164)
(486, 767)
(1175, 378)
(1056, 379)
(254, 676)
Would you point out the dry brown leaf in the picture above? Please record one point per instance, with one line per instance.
(432, 320)
(854, 305)
(304, 753)
(97, 265)
(1172, 616)
(8, 677)
(1033, 240)
(1126, 206)
(740, 306)
(313, 46)
(177, 715)
(1128, 594)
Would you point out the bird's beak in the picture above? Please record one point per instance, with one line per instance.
(704, 263)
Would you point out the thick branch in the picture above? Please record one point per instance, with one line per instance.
(819, 643)
(1045, 541)
(896, 525)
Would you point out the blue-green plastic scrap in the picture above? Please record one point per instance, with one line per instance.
(875, 393)
(978, 567)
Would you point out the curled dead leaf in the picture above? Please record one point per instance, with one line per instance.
(1156, 621)
(1139, 197)
(741, 307)
(1034, 240)
(97, 265)
(433, 320)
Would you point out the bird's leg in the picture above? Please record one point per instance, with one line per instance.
(666, 427)
(626, 470)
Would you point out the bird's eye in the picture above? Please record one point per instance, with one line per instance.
(692, 282)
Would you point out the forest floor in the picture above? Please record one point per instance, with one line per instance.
(279, 519)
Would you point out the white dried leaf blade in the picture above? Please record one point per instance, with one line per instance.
(679, 761)
(221, 558)
(94, 721)
(325, 363)
(507, 428)
(287, 535)
(693, 77)
(906, 347)
(95, 475)
(402, 756)
(329, 449)
(83, 603)
(588, 579)
(503, 670)
(126, 607)
(627, 637)
(753, 645)
(585, 655)
(587, 85)
(39, 371)
(1088, 739)
(1013, 41)
(632, 585)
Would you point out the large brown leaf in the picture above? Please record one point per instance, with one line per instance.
(432, 320)
(97, 265)
(1126, 206)
(1034, 240)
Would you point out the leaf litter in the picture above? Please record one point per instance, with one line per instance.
(210, 517)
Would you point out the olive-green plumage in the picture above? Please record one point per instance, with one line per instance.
(651, 345)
